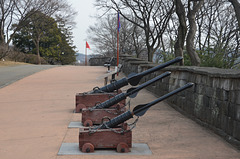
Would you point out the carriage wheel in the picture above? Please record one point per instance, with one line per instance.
(88, 123)
(87, 148)
(122, 147)
(79, 108)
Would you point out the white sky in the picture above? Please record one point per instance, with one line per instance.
(85, 9)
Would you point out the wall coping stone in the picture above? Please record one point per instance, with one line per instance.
(139, 62)
(124, 55)
(132, 59)
(209, 71)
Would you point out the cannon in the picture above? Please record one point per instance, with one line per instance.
(97, 114)
(102, 94)
(85, 100)
(115, 133)
(133, 79)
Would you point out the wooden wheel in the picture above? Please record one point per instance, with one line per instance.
(88, 123)
(87, 148)
(79, 108)
(122, 147)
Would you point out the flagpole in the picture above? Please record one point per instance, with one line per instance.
(86, 55)
(119, 25)
(117, 48)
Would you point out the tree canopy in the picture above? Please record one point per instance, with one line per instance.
(42, 36)
(15, 16)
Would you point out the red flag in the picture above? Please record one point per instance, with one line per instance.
(87, 45)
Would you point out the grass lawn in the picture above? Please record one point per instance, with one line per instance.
(12, 63)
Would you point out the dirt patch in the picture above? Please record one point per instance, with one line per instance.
(12, 63)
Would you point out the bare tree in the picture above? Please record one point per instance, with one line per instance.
(193, 7)
(104, 35)
(138, 41)
(153, 17)
(218, 35)
(182, 29)
(236, 5)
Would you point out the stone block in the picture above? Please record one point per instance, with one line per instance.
(175, 74)
(230, 126)
(224, 108)
(225, 95)
(198, 111)
(191, 89)
(166, 79)
(206, 101)
(192, 78)
(182, 82)
(237, 113)
(189, 96)
(206, 117)
(209, 82)
(200, 89)
(204, 79)
(189, 107)
(225, 84)
(218, 94)
(218, 122)
(172, 80)
(231, 110)
(236, 130)
(209, 91)
(212, 102)
(237, 95)
(235, 84)
(216, 83)
(199, 100)
(224, 122)
(232, 96)
(183, 75)
(221, 94)
(198, 79)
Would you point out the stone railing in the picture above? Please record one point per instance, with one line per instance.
(214, 101)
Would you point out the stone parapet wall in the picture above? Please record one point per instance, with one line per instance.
(99, 61)
(214, 101)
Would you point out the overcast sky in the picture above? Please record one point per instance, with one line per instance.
(85, 9)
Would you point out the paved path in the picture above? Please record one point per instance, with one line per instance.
(35, 113)
(11, 74)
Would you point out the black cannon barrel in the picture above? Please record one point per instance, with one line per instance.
(135, 79)
(140, 109)
(130, 91)
(117, 120)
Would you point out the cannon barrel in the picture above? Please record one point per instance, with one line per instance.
(130, 92)
(134, 79)
(140, 109)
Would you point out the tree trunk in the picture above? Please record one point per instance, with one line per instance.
(182, 30)
(150, 54)
(38, 53)
(236, 6)
(195, 60)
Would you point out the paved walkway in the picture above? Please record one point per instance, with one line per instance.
(35, 112)
(11, 74)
